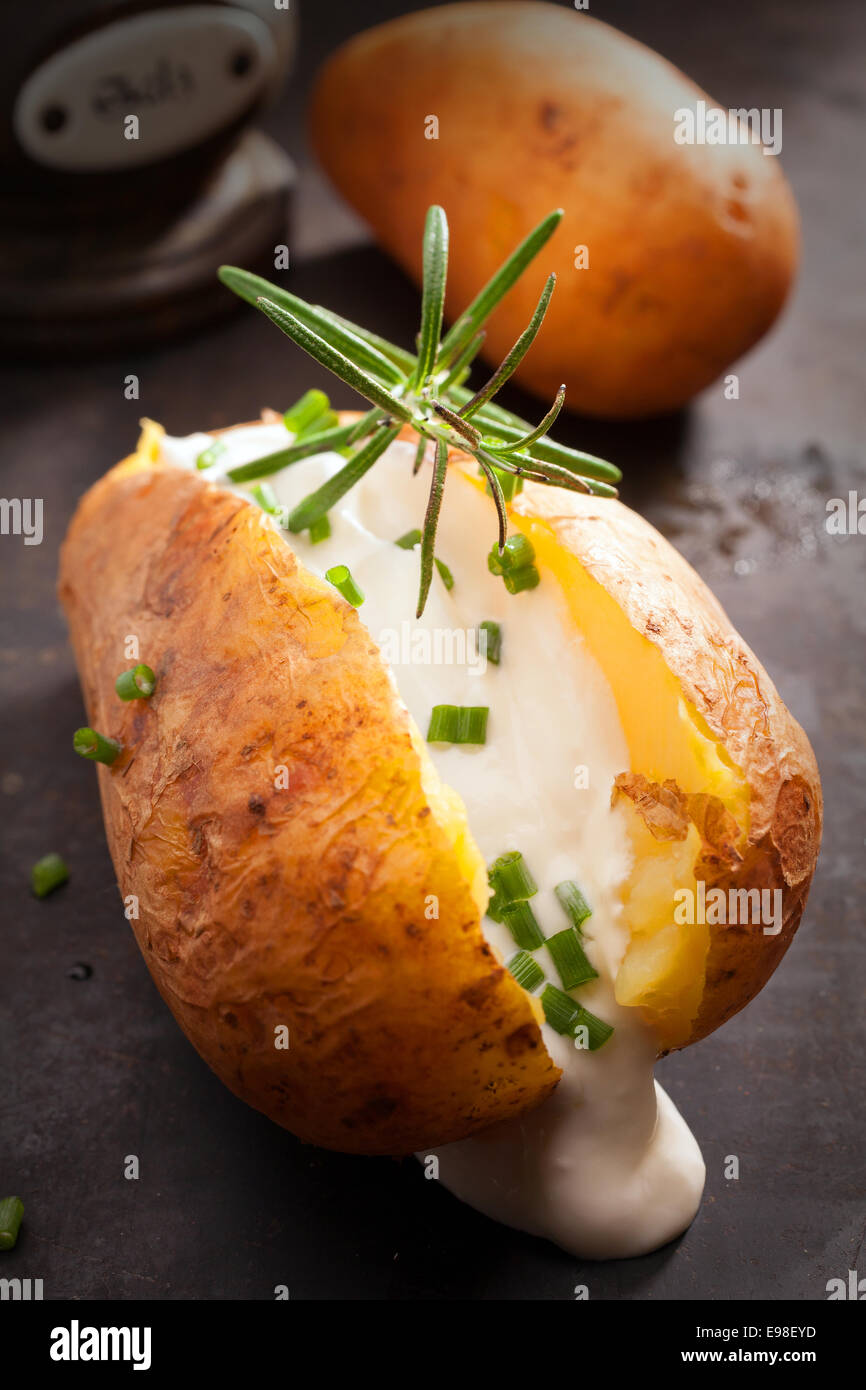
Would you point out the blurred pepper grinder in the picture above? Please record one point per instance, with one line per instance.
(128, 166)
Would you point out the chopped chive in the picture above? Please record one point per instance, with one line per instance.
(490, 640)
(573, 901)
(517, 553)
(320, 530)
(208, 457)
(560, 1010)
(443, 724)
(473, 724)
(265, 496)
(89, 744)
(47, 874)
(342, 580)
(458, 724)
(495, 906)
(525, 969)
(410, 540)
(138, 683)
(597, 1031)
(523, 925)
(518, 580)
(11, 1212)
(300, 416)
(569, 958)
(445, 573)
(511, 879)
(566, 1017)
(497, 903)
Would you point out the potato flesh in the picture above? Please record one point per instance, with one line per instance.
(663, 970)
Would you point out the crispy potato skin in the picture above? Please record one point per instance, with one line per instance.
(692, 248)
(719, 675)
(303, 906)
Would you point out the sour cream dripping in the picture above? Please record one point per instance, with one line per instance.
(606, 1167)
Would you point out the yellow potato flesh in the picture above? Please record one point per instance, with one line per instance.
(663, 969)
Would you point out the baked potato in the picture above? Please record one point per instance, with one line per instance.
(307, 905)
(408, 889)
(689, 249)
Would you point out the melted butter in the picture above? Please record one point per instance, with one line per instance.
(606, 1167)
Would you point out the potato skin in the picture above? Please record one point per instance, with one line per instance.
(306, 906)
(692, 248)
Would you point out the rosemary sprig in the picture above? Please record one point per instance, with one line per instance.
(426, 390)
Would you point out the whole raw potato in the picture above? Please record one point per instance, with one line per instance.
(691, 248)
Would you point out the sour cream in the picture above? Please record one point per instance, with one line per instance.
(606, 1167)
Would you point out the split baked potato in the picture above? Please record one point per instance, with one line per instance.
(262, 906)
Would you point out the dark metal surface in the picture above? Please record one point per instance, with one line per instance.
(94, 1069)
